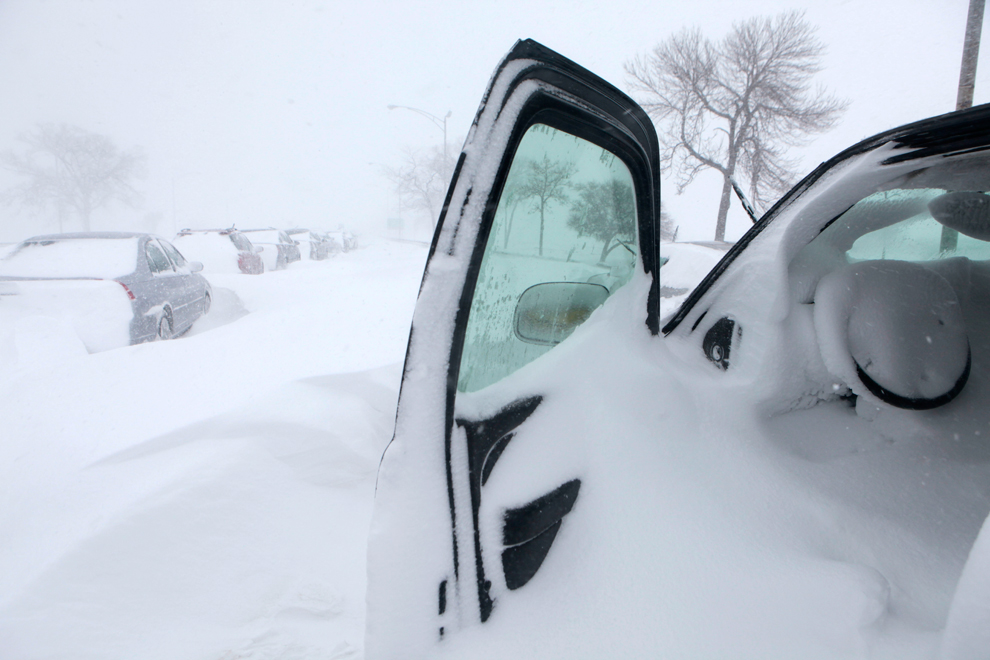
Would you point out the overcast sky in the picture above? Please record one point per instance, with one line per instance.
(261, 113)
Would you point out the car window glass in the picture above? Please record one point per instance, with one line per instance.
(157, 261)
(241, 243)
(917, 238)
(899, 224)
(567, 214)
(173, 254)
(904, 225)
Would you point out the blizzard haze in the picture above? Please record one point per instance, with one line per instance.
(211, 497)
(260, 113)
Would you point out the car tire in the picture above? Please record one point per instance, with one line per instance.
(165, 327)
(208, 303)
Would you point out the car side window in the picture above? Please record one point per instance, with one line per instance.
(157, 261)
(241, 243)
(564, 237)
(177, 259)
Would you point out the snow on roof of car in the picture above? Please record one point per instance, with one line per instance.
(102, 256)
(216, 251)
(263, 235)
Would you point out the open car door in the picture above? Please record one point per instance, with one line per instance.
(552, 213)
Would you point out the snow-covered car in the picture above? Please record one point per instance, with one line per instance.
(221, 250)
(278, 248)
(112, 288)
(344, 240)
(794, 463)
(683, 266)
(313, 245)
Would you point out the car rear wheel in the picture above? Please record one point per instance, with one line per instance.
(164, 327)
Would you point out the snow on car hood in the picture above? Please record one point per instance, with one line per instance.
(100, 258)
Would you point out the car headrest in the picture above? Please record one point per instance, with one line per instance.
(893, 331)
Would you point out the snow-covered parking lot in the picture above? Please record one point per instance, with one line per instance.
(208, 497)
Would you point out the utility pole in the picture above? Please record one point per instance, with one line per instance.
(967, 81)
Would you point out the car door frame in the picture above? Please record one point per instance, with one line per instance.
(533, 84)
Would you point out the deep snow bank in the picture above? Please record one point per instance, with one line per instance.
(207, 497)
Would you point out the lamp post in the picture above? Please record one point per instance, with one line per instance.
(964, 96)
(439, 122)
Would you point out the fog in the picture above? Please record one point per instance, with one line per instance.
(258, 113)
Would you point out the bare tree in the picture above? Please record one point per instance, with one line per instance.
(421, 181)
(736, 104)
(545, 181)
(73, 169)
(604, 210)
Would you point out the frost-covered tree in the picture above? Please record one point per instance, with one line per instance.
(72, 169)
(737, 104)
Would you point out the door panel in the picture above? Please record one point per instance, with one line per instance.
(553, 206)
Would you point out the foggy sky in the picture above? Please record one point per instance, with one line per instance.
(260, 113)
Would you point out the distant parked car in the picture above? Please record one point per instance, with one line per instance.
(113, 288)
(313, 245)
(222, 250)
(350, 241)
(279, 248)
(345, 240)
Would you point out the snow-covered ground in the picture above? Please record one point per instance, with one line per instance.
(209, 497)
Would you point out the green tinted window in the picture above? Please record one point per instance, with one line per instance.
(913, 233)
(567, 214)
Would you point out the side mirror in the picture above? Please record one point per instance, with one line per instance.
(195, 266)
(548, 313)
(258, 249)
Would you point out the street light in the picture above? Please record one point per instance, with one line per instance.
(964, 96)
(439, 122)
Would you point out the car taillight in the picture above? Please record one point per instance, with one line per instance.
(126, 290)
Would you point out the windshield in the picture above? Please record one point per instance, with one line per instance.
(102, 258)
